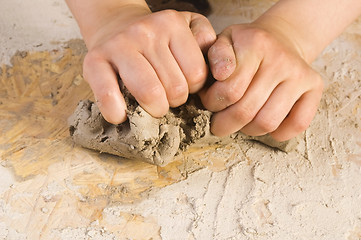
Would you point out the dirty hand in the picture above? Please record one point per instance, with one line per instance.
(262, 85)
(158, 57)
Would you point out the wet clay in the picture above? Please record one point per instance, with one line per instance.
(154, 140)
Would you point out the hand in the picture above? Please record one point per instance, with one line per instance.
(158, 56)
(262, 86)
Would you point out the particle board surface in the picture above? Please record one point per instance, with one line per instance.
(62, 191)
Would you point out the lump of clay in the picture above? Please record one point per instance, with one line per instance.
(155, 140)
(143, 137)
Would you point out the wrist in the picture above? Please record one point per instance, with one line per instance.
(113, 23)
(310, 25)
(98, 19)
(284, 31)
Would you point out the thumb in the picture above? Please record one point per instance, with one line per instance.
(202, 31)
(221, 56)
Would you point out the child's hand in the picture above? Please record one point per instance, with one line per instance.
(263, 84)
(158, 56)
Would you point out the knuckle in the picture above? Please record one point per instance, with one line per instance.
(197, 79)
(141, 30)
(201, 17)
(300, 125)
(177, 95)
(313, 79)
(169, 14)
(169, 19)
(261, 39)
(244, 114)
(300, 73)
(233, 94)
(318, 81)
(261, 35)
(148, 28)
(204, 38)
(267, 124)
(104, 97)
(150, 94)
(90, 60)
(254, 38)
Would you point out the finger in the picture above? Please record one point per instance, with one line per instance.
(221, 57)
(299, 117)
(243, 112)
(202, 31)
(169, 73)
(142, 82)
(103, 81)
(223, 94)
(275, 109)
(190, 59)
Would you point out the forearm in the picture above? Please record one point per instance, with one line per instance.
(310, 24)
(92, 15)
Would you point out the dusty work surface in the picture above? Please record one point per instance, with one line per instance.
(53, 189)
